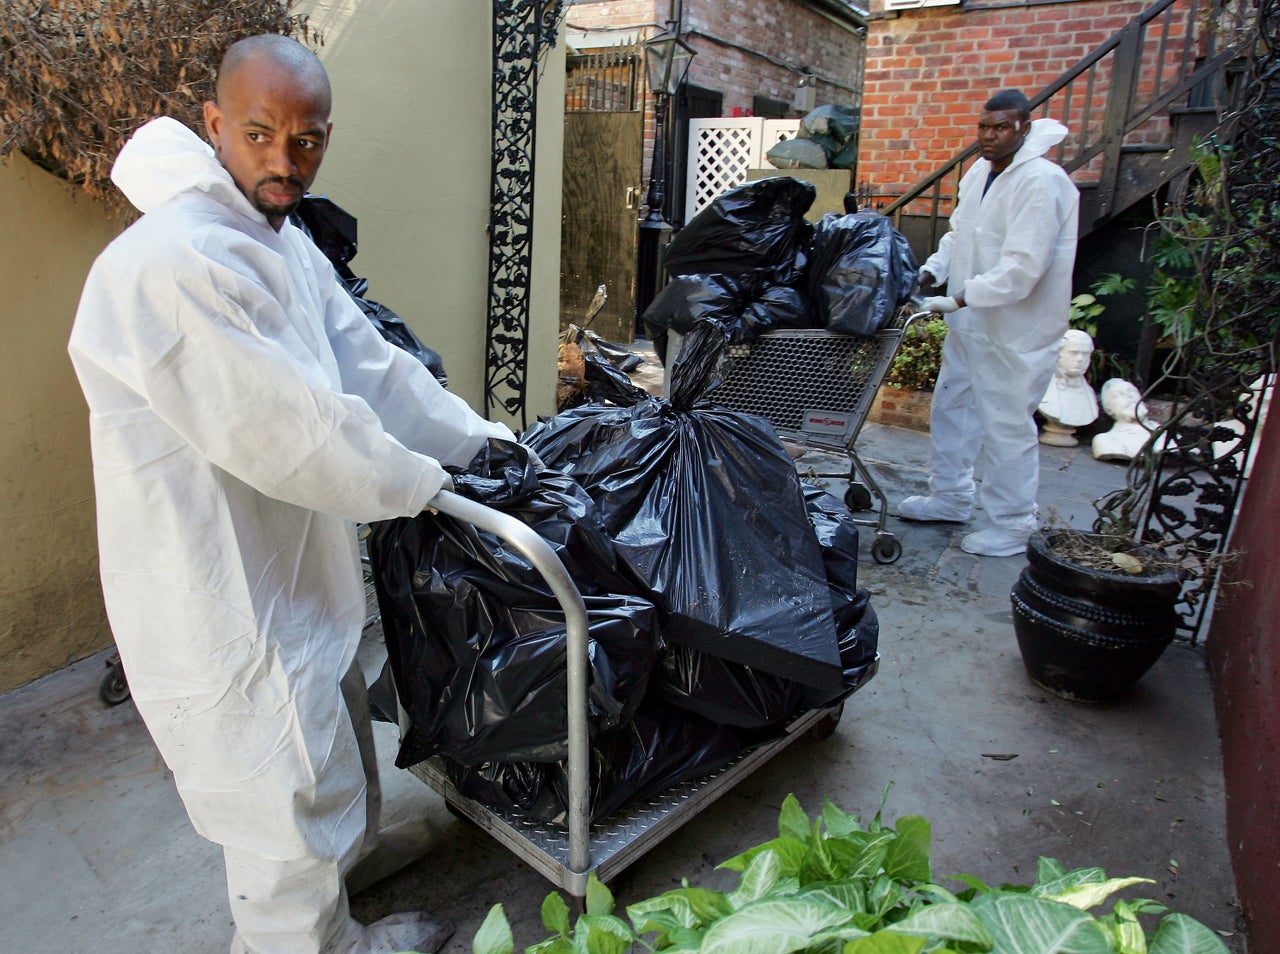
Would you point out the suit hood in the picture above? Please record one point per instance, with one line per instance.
(1044, 135)
(165, 159)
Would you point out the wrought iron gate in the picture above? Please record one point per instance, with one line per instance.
(523, 30)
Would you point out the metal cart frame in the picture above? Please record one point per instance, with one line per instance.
(568, 856)
(816, 388)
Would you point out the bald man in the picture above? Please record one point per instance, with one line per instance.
(244, 416)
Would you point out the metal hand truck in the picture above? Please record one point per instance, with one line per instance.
(568, 856)
(816, 388)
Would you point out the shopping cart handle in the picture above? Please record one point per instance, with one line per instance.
(539, 553)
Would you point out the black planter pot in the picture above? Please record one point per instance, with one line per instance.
(1085, 634)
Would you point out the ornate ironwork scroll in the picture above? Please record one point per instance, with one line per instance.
(522, 31)
(1184, 496)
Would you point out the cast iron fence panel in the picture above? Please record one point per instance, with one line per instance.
(522, 31)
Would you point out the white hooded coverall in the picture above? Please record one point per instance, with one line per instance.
(1011, 254)
(244, 414)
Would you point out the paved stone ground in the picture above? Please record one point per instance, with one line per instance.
(97, 854)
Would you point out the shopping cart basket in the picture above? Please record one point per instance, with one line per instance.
(816, 387)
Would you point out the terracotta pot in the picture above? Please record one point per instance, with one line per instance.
(1089, 635)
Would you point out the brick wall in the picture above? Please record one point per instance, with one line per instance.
(744, 49)
(929, 71)
(756, 49)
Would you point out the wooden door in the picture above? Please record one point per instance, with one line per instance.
(602, 203)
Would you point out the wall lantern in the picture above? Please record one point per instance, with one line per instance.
(666, 59)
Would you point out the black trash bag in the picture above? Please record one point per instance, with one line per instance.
(746, 306)
(705, 505)
(752, 699)
(333, 230)
(759, 225)
(700, 366)
(620, 356)
(857, 625)
(861, 270)
(775, 308)
(475, 637)
(727, 692)
(607, 382)
(659, 748)
(399, 334)
(688, 299)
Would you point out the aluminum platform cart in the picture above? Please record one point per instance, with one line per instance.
(568, 857)
(816, 388)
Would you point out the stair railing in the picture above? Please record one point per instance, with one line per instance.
(1105, 100)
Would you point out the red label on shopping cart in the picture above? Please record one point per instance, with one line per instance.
(829, 423)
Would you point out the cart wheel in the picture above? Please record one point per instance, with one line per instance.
(113, 689)
(857, 497)
(825, 727)
(886, 549)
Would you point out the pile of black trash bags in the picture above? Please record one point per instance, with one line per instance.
(721, 594)
(754, 263)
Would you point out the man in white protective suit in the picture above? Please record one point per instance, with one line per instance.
(1006, 265)
(244, 415)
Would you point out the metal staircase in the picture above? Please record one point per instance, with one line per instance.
(1135, 107)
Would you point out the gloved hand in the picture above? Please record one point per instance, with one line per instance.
(941, 304)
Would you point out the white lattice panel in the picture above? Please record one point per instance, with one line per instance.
(722, 150)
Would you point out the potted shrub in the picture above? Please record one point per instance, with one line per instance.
(1092, 612)
(907, 391)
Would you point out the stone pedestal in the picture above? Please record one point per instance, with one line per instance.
(1057, 434)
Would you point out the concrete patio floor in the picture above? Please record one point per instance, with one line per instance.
(96, 854)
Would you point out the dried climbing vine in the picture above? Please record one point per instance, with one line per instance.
(77, 77)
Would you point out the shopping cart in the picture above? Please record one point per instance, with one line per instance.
(567, 856)
(816, 388)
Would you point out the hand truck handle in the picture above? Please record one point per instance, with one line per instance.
(539, 553)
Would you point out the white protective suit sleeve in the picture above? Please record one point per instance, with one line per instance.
(939, 263)
(279, 424)
(1031, 236)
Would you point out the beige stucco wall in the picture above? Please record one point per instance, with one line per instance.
(50, 604)
(410, 159)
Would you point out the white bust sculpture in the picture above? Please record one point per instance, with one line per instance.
(1132, 429)
(1069, 402)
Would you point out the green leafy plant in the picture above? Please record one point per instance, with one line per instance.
(915, 367)
(1087, 306)
(1173, 290)
(830, 885)
(1086, 309)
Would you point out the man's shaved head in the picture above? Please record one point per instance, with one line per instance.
(303, 66)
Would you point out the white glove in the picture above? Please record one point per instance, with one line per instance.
(942, 304)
